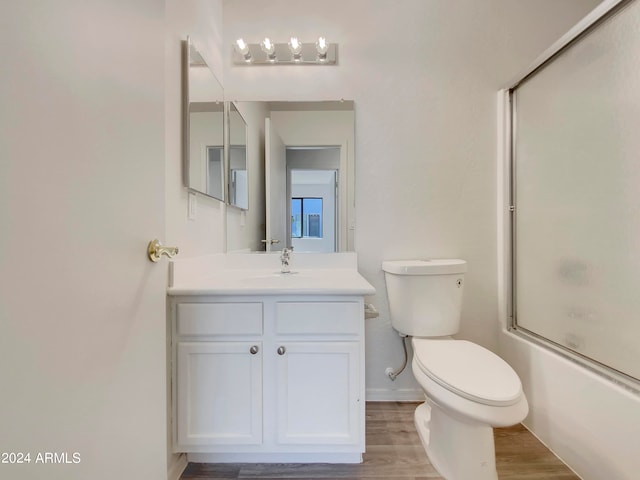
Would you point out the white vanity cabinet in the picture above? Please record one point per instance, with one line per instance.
(219, 377)
(218, 368)
(268, 378)
(318, 372)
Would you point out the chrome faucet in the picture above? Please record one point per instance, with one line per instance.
(285, 258)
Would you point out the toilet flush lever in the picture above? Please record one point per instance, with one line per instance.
(155, 250)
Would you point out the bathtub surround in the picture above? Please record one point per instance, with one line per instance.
(590, 421)
(576, 287)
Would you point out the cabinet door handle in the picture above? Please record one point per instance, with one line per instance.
(281, 350)
(253, 350)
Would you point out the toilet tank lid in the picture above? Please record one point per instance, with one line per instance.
(437, 266)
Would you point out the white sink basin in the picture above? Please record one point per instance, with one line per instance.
(273, 275)
(321, 274)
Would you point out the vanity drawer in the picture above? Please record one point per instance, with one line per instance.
(219, 318)
(319, 317)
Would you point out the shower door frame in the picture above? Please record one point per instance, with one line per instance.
(507, 207)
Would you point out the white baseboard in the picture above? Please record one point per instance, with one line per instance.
(401, 395)
(177, 467)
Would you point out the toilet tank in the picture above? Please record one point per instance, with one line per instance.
(425, 296)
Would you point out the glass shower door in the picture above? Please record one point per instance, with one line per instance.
(576, 192)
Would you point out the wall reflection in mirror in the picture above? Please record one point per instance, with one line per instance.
(238, 173)
(203, 113)
(304, 158)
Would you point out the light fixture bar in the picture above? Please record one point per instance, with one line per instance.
(316, 53)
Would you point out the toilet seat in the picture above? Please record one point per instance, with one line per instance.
(468, 370)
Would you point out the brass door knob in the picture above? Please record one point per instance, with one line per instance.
(155, 250)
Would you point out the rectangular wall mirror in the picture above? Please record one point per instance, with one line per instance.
(303, 161)
(203, 121)
(238, 172)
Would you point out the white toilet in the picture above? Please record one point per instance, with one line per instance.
(468, 389)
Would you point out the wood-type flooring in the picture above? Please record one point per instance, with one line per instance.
(394, 452)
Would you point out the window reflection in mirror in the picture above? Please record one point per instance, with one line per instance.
(312, 185)
(306, 217)
(203, 126)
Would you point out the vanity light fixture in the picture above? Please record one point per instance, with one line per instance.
(294, 52)
(243, 49)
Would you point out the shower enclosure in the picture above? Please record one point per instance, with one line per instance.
(574, 145)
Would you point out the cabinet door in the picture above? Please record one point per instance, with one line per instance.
(219, 393)
(318, 393)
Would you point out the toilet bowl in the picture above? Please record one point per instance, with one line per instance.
(470, 380)
(468, 389)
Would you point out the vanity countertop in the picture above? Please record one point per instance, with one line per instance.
(255, 274)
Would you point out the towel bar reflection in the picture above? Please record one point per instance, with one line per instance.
(155, 250)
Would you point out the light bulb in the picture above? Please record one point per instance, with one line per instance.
(243, 49)
(321, 47)
(269, 48)
(296, 48)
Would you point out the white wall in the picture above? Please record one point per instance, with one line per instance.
(205, 130)
(425, 128)
(202, 21)
(245, 228)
